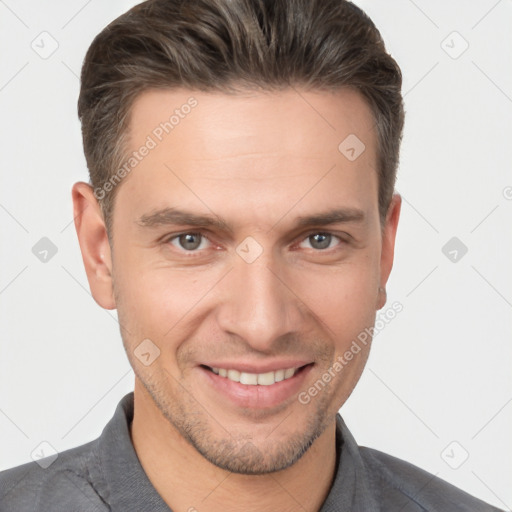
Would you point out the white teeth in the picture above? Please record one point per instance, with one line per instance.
(279, 375)
(234, 375)
(249, 378)
(289, 373)
(266, 379)
(252, 379)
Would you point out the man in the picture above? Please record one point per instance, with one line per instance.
(241, 218)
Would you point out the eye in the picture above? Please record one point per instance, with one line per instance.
(190, 241)
(320, 241)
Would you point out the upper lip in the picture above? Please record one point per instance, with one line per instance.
(269, 366)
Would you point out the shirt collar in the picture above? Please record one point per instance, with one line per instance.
(351, 490)
(127, 486)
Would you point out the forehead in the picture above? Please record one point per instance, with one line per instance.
(272, 145)
(290, 121)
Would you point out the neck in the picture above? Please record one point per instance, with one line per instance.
(186, 481)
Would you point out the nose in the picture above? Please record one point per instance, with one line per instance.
(258, 305)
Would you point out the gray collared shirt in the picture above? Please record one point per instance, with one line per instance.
(106, 475)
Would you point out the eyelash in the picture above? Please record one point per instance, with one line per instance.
(196, 253)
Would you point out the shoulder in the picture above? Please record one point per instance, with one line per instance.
(70, 482)
(397, 479)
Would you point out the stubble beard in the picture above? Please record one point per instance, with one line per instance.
(235, 451)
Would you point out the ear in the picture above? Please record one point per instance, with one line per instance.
(388, 246)
(92, 236)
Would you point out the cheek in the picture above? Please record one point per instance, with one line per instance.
(153, 307)
(155, 301)
(344, 299)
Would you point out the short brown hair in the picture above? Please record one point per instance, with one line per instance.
(230, 45)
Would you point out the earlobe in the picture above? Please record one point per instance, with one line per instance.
(381, 297)
(94, 244)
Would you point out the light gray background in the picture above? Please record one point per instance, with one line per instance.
(438, 373)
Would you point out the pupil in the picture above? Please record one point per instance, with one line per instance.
(320, 240)
(190, 241)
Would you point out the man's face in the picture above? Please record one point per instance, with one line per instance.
(247, 243)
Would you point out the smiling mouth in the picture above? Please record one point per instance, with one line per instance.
(256, 379)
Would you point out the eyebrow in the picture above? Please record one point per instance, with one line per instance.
(172, 216)
(340, 215)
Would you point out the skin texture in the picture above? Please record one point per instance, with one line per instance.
(260, 162)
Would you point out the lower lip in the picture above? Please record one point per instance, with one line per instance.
(256, 396)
